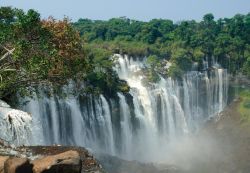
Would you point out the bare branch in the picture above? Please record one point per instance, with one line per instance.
(9, 52)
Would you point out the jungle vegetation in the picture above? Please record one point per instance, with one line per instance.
(35, 51)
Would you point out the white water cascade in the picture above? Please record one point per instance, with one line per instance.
(14, 125)
(138, 125)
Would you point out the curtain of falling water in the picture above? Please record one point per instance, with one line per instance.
(139, 125)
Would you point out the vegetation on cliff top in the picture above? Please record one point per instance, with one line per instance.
(244, 106)
(35, 51)
(227, 40)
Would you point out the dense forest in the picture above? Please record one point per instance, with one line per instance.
(183, 43)
(35, 51)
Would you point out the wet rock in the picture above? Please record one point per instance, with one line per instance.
(55, 158)
(90, 165)
(2, 161)
(67, 162)
(3, 143)
(17, 165)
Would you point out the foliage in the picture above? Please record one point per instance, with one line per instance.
(246, 64)
(175, 71)
(35, 52)
(153, 63)
(49, 51)
(184, 43)
(22, 33)
(244, 106)
(100, 75)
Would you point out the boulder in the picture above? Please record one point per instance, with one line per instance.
(2, 161)
(17, 165)
(67, 162)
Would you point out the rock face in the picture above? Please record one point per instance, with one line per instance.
(88, 162)
(67, 162)
(17, 165)
(2, 161)
(47, 159)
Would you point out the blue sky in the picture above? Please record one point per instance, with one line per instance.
(135, 9)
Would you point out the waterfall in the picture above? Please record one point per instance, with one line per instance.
(126, 131)
(137, 125)
(108, 125)
(14, 125)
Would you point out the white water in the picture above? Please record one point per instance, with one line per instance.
(126, 127)
(14, 125)
(139, 125)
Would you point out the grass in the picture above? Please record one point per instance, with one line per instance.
(244, 106)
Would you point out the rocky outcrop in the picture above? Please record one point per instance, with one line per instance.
(47, 159)
(67, 162)
(88, 163)
(2, 161)
(17, 165)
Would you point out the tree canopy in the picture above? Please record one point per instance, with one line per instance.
(35, 51)
(183, 43)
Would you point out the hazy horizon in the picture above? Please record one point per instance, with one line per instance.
(140, 10)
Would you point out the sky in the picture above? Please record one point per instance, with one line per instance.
(144, 10)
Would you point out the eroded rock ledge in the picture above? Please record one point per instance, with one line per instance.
(47, 159)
